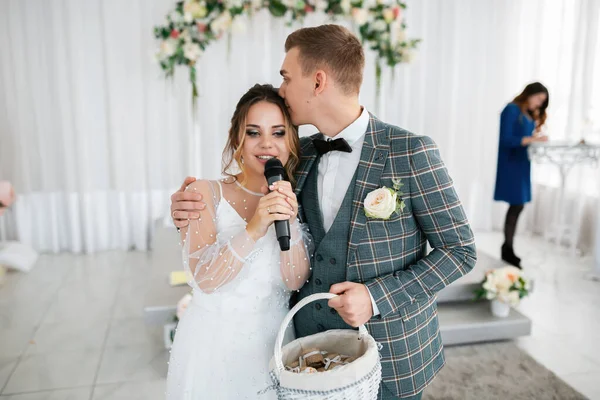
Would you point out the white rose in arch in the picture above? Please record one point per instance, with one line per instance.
(360, 15)
(182, 305)
(369, 4)
(176, 17)
(381, 203)
(192, 51)
(168, 47)
(221, 23)
(346, 5)
(186, 35)
(233, 3)
(193, 10)
(321, 5)
(380, 25)
(388, 15)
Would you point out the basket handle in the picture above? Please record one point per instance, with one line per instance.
(362, 330)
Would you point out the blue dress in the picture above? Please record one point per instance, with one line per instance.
(513, 175)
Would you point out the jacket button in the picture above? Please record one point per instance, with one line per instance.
(318, 306)
(319, 257)
(318, 281)
(332, 261)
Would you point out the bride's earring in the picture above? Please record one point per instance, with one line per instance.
(242, 160)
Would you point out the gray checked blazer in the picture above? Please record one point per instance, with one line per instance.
(389, 256)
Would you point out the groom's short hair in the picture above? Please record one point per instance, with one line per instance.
(331, 46)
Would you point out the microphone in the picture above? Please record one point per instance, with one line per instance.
(274, 172)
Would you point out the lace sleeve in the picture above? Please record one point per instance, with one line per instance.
(211, 258)
(295, 263)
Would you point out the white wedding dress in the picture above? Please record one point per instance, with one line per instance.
(241, 290)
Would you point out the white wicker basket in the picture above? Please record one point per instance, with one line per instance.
(358, 380)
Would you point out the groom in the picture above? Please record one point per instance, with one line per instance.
(378, 263)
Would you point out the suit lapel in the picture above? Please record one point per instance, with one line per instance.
(308, 155)
(368, 175)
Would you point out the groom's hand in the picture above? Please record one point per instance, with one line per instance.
(185, 205)
(353, 302)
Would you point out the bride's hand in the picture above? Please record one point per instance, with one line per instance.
(275, 206)
(285, 188)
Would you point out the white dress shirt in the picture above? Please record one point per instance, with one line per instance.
(336, 170)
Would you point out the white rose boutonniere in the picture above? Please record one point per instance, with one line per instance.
(383, 202)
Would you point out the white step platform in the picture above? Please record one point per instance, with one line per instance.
(473, 322)
(463, 320)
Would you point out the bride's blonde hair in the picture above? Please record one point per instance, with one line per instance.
(237, 131)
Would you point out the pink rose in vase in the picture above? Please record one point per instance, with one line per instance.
(7, 195)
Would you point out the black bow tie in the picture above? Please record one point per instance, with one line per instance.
(325, 146)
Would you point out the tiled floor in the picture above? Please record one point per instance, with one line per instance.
(564, 309)
(73, 327)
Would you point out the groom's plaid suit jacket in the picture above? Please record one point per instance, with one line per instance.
(389, 256)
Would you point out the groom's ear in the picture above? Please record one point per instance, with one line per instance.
(320, 80)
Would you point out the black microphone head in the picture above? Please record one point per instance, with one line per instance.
(274, 167)
(284, 242)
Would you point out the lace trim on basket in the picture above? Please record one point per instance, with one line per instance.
(276, 386)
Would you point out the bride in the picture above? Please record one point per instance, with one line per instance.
(241, 279)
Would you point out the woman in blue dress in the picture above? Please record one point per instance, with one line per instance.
(520, 125)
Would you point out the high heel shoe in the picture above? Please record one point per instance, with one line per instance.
(509, 256)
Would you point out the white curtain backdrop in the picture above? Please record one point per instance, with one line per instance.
(95, 140)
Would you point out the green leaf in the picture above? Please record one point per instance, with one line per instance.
(277, 8)
(480, 294)
(400, 207)
(369, 215)
(236, 11)
(377, 78)
(337, 9)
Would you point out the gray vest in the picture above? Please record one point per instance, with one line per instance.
(329, 260)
